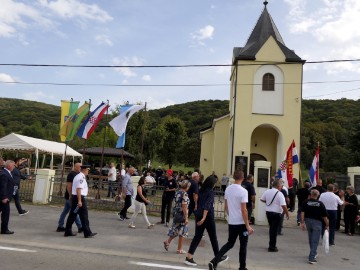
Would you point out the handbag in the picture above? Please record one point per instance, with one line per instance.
(178, 217)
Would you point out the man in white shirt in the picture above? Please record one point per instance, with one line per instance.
(78, 204)
(111, 180)
(236, 198)
(275, 205)
(331, 202)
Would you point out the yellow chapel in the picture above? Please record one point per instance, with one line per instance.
(264, 109)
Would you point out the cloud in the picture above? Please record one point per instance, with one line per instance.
(38, 95)
(6, 78)
(15, 16)
(104, 40)
(127, 61)
(203, 34)
(76, 9)
(146, 78)
(335, 27)
(80, 52)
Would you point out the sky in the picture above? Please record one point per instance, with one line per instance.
(161, 33)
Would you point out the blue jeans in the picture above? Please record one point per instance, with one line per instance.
(314, 228)
(67, 207)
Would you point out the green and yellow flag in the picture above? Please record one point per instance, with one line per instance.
(68, 130)
(68, 108)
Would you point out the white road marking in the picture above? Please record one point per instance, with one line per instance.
(17, 249)
(166, 266)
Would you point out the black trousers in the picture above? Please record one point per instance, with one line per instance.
(338, 219)
(166, 204)
(349, 219)
(17, 201)
(209, 225)
(5, 216)
(83, 215)
(274, 220)
(191, 208)
(235, 231)
(127, 204)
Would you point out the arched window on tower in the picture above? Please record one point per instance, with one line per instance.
(268, 82)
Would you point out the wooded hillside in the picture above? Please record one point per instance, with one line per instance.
(172, 133)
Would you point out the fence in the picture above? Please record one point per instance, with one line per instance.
(97, 197)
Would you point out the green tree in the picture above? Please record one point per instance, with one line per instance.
(174, 137)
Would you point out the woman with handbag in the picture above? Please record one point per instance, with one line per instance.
(205, 219)
(140, 204)
(180, 218)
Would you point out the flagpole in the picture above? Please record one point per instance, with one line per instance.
(97, 196)
(318, 163)
(142, 139)
(86, 139)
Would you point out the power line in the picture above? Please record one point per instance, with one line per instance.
(169, 85)
(175, 66)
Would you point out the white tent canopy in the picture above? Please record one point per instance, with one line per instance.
(22, 143)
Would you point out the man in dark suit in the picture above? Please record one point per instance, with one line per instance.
(6, 192)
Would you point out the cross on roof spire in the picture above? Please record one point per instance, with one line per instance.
(265, 3)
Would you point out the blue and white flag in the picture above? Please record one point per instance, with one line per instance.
(119, 123)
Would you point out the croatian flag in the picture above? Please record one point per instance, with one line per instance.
(314, 169)
(281, 174)
(119, 123)
(92, 121)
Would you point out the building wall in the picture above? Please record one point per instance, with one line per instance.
(207, 151)
(221, 146)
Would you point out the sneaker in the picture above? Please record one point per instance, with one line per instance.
(167, 224)
(131, 226)
(121, 218)
(211, 266)
(81, 230)
(60, 229)
(151, 226)
(190, 262)
(314, 261)
(224, 259)
(127, 218)
(23, 213)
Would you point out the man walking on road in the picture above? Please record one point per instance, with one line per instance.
(127, 192)
(236, 198)
(78, 204)
(275, 205)
(313, 212)
(17, 176)
(331, 202)
(68, 197)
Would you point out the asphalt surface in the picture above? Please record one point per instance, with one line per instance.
(37, 245)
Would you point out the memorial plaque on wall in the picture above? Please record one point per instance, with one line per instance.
(263, 176)
(357, 184)
(241, 163)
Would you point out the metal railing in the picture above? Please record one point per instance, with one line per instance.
(98, 191)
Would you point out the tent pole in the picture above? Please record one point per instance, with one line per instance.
(37, 160)
(52, 161)
(63, 170)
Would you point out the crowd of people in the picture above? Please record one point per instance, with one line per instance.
(184, 195)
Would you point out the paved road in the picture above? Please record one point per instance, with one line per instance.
(117, 246)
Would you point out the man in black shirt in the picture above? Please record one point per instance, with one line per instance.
(67, 205)
(319, 187)
(168, 196)
(313, 213)
(17, 176)
(302, 195)
(248, 185)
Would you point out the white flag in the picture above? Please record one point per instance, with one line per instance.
(119, 123)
